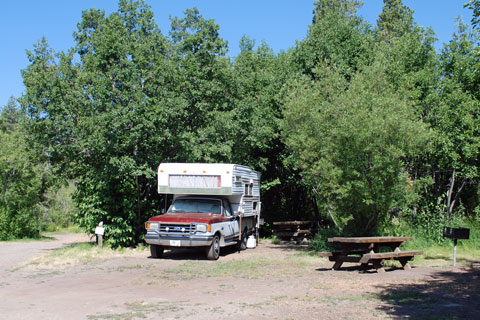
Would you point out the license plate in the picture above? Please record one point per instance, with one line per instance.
(175, 243)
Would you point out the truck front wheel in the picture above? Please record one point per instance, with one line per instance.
(213, 252)
(156, 251)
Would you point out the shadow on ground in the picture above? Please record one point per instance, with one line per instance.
(361, 269)
(194, 253)
(290, 247)
(453, 294)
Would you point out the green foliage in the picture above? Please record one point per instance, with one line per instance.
(99, 119)
(124, 99)
(475, 6)
(320, 241)
(351, 143)
(57, 208)
(336, 36)
(453, 114)
(395, 20)
(426, 229)
(20, 179)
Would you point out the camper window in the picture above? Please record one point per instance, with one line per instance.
(248, 189)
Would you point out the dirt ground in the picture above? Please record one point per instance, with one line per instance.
(269, 282)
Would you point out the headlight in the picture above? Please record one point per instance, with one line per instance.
(151, 225)
(202, 227)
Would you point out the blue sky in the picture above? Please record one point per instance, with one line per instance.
(279, 23)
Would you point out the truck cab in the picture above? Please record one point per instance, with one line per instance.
(213, 207)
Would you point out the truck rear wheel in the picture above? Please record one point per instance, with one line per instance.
(213, 252)
(156, 251)
(242, 244)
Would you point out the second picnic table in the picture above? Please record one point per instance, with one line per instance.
(366, 250)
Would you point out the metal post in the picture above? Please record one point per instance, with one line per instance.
(454, 251)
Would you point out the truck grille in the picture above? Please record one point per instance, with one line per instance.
(178, 228)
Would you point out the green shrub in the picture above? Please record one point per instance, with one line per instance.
(320, 243)
(52, 227)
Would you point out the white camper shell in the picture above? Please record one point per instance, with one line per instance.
(239, 184)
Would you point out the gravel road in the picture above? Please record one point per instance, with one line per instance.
(14, 253)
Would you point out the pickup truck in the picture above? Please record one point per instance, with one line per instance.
(195, 221)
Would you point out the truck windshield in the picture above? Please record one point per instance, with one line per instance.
(196, 206)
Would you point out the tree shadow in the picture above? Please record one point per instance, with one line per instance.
(453, 294)
(360, 269)
(288, 246)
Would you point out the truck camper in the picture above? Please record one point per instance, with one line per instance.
(214, 205)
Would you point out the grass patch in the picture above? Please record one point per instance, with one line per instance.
(45, 274)
(352, 298)
(140, 309)
(47, 236)
(272, 301)
(237, 269)
(442, 256)
(64, 230)
(409, 297)
(42, 237)
(119, 316)
(246, 269)
(86, 253)
(275, 240)
(133, 267)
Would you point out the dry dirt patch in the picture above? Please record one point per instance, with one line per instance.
(269, 282)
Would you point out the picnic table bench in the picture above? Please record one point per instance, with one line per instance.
(296, 230)
(366, 251)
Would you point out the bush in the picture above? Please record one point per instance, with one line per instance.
(426, 228)
(57, 208)
(320, 243)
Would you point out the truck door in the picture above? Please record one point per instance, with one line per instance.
(233, 223)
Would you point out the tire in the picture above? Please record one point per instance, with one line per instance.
(156, 251)
(213, 252)
(242, 244)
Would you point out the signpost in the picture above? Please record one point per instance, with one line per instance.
(99, 231)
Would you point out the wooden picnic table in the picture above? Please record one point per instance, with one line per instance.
(367, 251)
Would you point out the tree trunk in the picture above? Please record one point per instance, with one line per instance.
(451, 203)
(315, 210)
(449, 193)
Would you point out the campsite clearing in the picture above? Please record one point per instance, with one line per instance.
(269, 282)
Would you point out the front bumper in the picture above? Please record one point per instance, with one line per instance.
(178, 240)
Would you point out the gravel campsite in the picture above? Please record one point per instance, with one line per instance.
(67, 277)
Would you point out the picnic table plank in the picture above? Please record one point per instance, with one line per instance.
(389, 255)
(369, 239)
